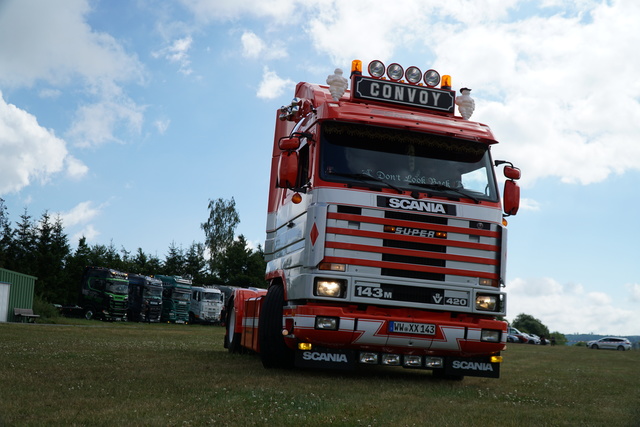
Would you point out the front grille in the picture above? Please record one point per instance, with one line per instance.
(358, 237)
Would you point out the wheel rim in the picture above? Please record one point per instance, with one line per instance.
(232, 324)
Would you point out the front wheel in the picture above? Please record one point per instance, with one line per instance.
(594, 347)
(274, 353)
(89, 314)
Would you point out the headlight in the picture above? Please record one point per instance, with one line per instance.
(486, 302)
(330, 288)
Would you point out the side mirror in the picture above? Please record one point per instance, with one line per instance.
(512, 172)
(288, 169)
(289, 144)
(511, 197)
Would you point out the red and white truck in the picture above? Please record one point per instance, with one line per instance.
(386, 232)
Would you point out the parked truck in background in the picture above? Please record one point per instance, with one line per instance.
(176, 299)
(145, 299)
(104, 294)
(206, 305)
(386, 232)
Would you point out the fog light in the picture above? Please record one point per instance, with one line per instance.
(391, 359)
(489, 335)
(304, 346)
(369, 358)
(413, 361)
(327, 323)
(433, 362)
(496, 359)
(486, 302)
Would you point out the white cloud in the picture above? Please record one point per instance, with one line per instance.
(56, 46)
(178, 52)
(255, 48)
(29, 151)
(39, 40)
(89, 232)
(221, 10)
(162, 125)
(569, 308)
(81, 213)
(634, 291)
(75, 168)
(529, 205)
(98, 123)
(272, 86)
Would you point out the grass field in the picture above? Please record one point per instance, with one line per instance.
(95, 373)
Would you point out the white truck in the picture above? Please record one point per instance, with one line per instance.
(206, 305)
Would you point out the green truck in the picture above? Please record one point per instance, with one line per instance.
(176, 299)
(145, 299)
(104, 294)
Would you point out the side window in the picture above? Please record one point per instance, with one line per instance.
(303, 171)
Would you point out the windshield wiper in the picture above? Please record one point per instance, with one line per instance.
(366, 177)
(442, 187)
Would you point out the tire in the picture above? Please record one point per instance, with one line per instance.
(595, 347)
(620, 348)
(89, 314)
(274, 353)
(232, 338)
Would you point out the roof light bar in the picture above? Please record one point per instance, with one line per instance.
(413, 74)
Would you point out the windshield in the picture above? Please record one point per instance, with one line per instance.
(118, 287)
(181, 295)
(155, 292)
(211, 296)
(404, 160)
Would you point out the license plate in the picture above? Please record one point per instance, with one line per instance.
(412, 328)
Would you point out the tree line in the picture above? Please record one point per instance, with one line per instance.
(41, 248)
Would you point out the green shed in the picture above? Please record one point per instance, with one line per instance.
(16, 291)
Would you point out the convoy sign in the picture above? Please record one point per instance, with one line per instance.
(368, 88)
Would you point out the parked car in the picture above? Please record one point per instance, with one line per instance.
(521, 337)
(533, 339)
(610, 343)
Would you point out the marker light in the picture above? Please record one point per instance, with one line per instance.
(395, 71)
(431, 78)
(413, 75)
(446, 82)
(376, 69)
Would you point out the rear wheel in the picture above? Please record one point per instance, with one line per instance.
(274, 353)
(620, 348)
(89, 313)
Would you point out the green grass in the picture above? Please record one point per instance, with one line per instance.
(94, 373)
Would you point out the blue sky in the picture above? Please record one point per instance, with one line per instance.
(126, 117)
